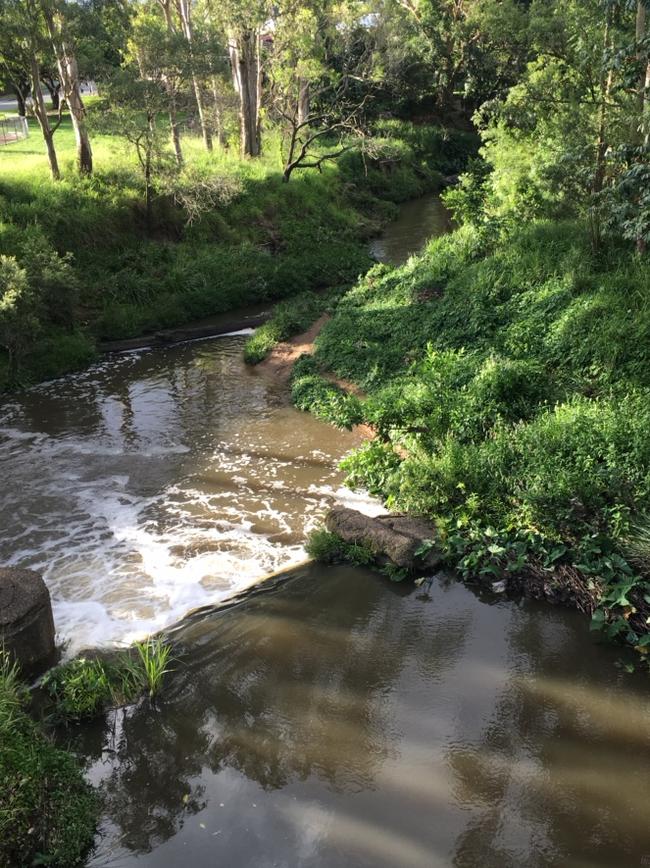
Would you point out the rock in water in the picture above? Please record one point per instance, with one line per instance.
(26, 622)
(395, 537)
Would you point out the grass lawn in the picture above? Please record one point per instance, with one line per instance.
(26, 160)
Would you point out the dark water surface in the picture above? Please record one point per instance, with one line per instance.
(343, 721)
(418, 221)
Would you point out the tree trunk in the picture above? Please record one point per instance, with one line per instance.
(605, 87)
(69, 75)
(218, 126)
(303, 101)
(54, 92)
(43, 120)
(175, 133)
(247, 77)
(203, 120)
(184, 12)
(147, 174)
(172, 91)
(147, 195)
(20, 100)
(641, 99)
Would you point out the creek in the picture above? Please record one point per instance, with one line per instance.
(327, 717)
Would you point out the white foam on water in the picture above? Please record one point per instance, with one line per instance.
(131, 534)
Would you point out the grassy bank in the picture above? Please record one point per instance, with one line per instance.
(509, 384)
(48, 812)
(225, 233)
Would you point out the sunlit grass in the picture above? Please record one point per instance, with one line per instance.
(26, 159)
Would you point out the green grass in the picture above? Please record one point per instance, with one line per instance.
(87, 687)
(289, 318)
(48, 813)
(269, 241)
(509, 384)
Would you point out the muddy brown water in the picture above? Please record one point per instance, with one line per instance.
(339, 720)
(329, 718)
(419, 220)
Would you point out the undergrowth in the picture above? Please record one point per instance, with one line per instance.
(48, 813)
(289, 318)
(264, 241)
(508, 380)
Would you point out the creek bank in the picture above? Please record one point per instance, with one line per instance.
(281, 359)
(412, 545)
(534, 471)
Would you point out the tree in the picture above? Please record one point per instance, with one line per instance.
(184, 10)
(159, 52)
(53, 87)
(19, 309)
(320, 110)
(55, 18)
(22, 47)
(132, 109)
(243, 22)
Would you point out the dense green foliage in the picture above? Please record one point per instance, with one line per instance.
(93, 272)
(47, 811)
(329, 548)
(513, 378)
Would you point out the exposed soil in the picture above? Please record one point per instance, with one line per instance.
(281, 359)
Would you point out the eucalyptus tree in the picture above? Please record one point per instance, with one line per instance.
(245, 24)
(318, 111)
(55, 14)
(133, 108)
(185, 13)
(160, 53)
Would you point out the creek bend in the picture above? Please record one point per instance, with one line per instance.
(327, 719)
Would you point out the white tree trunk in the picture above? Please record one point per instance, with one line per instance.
(69, 74)
(43, 120)
(185, 15)
(303, 101)
(244, 48)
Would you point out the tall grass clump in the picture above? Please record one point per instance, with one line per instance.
(155, 656)
(86, 687)
(48, 812)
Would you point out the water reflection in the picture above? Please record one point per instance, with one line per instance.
(341, 720)
(419, 220)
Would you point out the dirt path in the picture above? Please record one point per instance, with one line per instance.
(279, 361)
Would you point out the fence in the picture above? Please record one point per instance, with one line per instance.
(13, 130)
